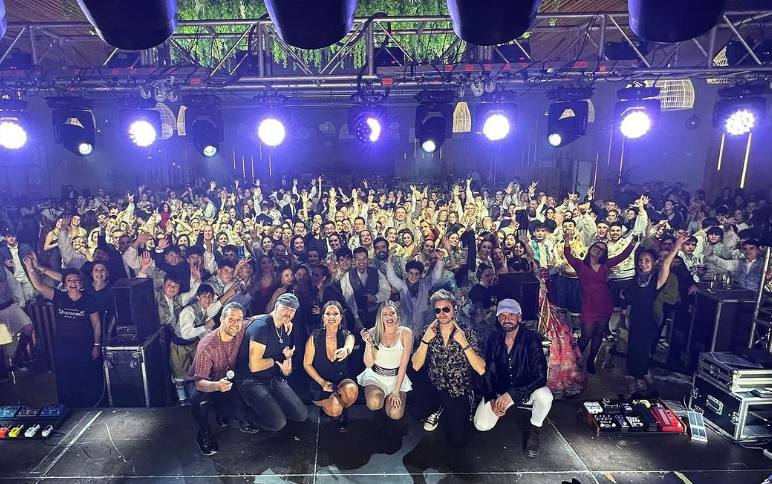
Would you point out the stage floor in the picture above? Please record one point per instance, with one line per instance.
(157, 445)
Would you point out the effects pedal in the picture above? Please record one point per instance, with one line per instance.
(647, 418)
(47, 431)
(612, 407)
(8, 412)
(593, 408)
(14, 432)
(623, 425)
(606, 423)
(4, 431)
(697, 430)
(53, 411)
(635, 423)
(28, 412)
(666, 420)
(30, 432)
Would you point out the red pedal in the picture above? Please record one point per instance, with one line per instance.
(667, 420)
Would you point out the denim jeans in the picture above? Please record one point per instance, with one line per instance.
(273, 402)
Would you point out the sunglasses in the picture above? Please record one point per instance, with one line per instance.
(441, 310)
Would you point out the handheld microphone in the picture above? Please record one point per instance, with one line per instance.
(230, 375)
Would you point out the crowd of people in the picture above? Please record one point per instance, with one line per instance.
(271, 291)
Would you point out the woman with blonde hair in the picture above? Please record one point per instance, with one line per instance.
(387, 351)
(325, 361)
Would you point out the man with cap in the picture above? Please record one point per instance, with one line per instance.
(12, 253)
(263, 364)
(15, 290)
(516, 374)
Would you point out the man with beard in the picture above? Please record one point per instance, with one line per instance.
(263, 364)
(364, 288)
(383, 258)
(414, 292)
(516, 374)
(212, 386)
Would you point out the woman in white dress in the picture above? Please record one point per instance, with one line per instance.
(387, 352)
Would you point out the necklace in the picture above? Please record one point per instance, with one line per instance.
(279, 334)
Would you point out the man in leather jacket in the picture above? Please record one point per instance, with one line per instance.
(516, 374)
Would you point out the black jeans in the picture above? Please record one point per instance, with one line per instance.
(456, 417)
(273, 402)
(226, 405)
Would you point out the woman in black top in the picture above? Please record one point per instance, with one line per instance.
(325, 361)
(100, 288)
(77, 341)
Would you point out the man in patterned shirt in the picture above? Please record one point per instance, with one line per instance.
(450, 351)
(212, 386)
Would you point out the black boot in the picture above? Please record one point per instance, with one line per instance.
(532, 443)
(206, 443)
(343, 421)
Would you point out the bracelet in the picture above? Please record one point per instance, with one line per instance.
(97, 344)
(466, 347)
(425, 342)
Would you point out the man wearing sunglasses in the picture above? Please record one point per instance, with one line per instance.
(516, 375)
(450, 351)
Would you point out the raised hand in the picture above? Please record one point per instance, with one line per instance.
(145, 261)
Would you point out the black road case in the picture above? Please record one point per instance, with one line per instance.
(137, 376)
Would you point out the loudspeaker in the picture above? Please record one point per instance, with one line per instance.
(136, 313)
(523, 287)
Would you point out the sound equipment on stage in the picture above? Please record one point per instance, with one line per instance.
(137, 375)
(647, 417)
(19, 422)
(734, 395)
(721, 320)
(523, 287)
(697, 430)
(136, 313)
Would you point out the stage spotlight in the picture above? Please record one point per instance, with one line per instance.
(494, 120)
(491, 22)
(311, 24)
(496, 127)
(637, 110)
(669, 21)
(271, 132)
(204, 124)
(635, 122)
(12, 134)
(132, 25)
(741, 114)
(566, 121)
(74, 124)
(143, 133)
(431, 127)
(366, 123)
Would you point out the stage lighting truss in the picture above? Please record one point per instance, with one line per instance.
(74, 124)
(495, 120)
(367, 123)
(741, 110)
(204, 124)
(142, 125)
(637, 111)
(433, 125)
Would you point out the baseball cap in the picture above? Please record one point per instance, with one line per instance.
(508, 306)
(288, 300)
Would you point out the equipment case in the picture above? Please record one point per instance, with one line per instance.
(736, 373)
(136, 376)
(742, 417)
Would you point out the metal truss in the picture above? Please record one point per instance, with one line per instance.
(246, 55)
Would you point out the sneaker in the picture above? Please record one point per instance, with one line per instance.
(432, 421)
(221, 422)
(247, 427)
(532, 443)
(206, 443)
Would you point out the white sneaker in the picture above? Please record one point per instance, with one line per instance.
(432, 421)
